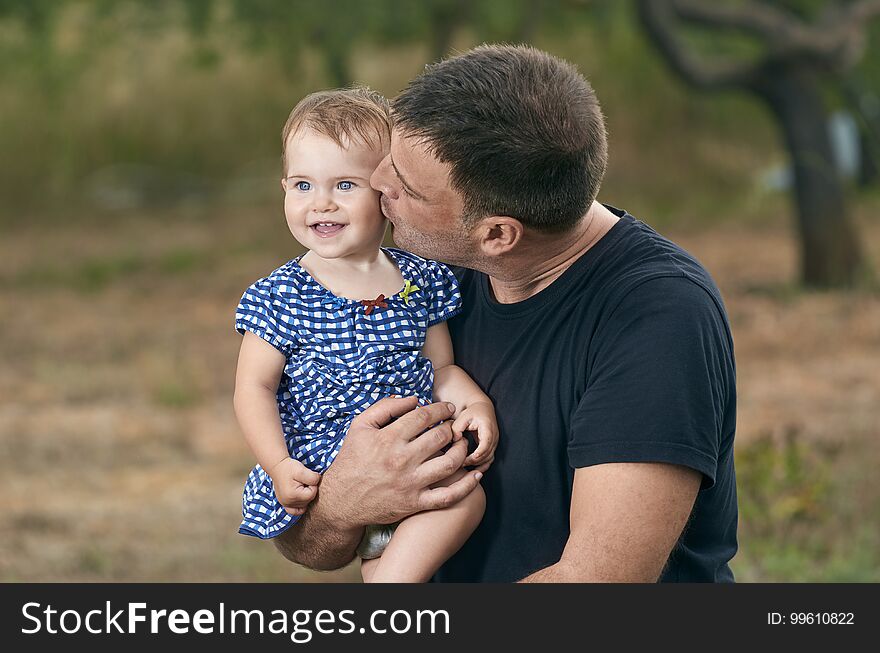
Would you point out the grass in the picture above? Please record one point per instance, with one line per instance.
(118, 391)
(797, 517)
(94, 273)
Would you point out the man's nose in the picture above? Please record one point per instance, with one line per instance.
(381, 178)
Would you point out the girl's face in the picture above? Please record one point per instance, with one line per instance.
(329, 205)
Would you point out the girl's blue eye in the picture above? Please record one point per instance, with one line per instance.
(345, 185)
(303, 185)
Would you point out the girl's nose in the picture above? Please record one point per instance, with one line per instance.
(323, 203)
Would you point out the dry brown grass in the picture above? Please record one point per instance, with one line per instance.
(121, 459)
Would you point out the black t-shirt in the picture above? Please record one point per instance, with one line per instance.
(626, 357)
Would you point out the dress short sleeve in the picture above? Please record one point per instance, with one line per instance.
(259, 312)
(442, 291)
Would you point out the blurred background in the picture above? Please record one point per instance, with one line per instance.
(139, 196)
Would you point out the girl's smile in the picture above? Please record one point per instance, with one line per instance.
(327, 229)
(328, 202)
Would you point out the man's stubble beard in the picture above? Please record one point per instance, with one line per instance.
(453, 248)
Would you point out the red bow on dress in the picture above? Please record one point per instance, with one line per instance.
(370, 304)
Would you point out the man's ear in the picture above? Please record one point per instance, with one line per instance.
(499, 234)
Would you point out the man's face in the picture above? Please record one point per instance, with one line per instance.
(418, 200)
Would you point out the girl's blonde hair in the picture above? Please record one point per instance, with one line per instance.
(357, 114)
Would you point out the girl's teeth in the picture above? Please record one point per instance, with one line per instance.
(327, 228)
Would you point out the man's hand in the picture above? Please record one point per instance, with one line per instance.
(382, 473)
(385, 468)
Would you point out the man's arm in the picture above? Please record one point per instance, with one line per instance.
(625, 520)
(318, 541)
(382, 473)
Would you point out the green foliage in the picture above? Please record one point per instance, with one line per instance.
(806, 512)
(36, 17)
(195, 87)
(87, 276)
(174, 394)
(93, 274)
(91, 559)
(200, 88)
(182, 261)
(782, 482)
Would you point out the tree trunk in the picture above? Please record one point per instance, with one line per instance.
(530, 21)
(446, 18)
(337, 65)
(830, 251)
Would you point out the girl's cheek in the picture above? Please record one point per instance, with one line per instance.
(291, 205)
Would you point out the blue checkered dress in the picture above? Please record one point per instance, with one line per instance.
(340, 360)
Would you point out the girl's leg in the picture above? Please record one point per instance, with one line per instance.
(368, 567)
(424, 541)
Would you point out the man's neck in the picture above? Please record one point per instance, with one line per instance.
(541, 259)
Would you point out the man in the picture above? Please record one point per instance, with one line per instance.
(604, 346)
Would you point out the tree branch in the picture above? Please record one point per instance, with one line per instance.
(759, 20)
(852, 33)
(657, 18)
(858, 12)
(837, 42)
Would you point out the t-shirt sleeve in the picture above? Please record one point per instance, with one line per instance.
(259, 312)
(442, 292)
(658, 381)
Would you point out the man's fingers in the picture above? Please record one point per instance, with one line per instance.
(422, 417)
(295, 511)
(436, 469)
(449, 495)
(383, 411)
(430, 442)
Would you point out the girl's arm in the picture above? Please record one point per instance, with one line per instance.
(473, 409)
(451, 383)
(256, 382)
(256, 407)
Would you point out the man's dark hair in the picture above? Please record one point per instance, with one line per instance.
(521, 130)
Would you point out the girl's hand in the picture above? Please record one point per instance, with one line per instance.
(480, 418)
(296, 485)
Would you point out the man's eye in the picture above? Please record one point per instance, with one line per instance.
(345, 185)
(303, 185)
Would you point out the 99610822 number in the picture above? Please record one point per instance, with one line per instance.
(811, 618)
